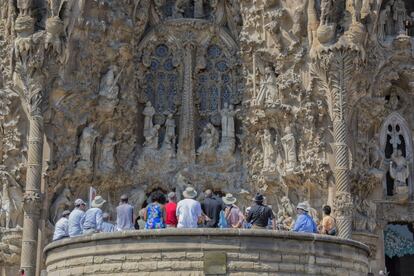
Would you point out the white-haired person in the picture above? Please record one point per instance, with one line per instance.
(62, 227)
(92, 221)
(304, 222)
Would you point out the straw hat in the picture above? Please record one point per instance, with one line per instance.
(303, 206)
(229, 199)
(190, 192)
(98, 202)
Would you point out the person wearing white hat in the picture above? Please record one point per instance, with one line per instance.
(75, 218)
(232, 213)
(62, 227)
(189, 210)
(304, 222)
(92, 221)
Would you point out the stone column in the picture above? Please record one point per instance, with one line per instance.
(186, 142)
(32, 200)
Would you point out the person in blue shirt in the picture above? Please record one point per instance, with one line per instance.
(75, 218)
(92, 221)
(62, 227)
(107, 227)
(304, 222)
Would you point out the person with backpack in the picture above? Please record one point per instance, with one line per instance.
(232, 216)
(328, 222)
(260, 214)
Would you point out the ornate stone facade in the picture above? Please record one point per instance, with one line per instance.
(301, 100)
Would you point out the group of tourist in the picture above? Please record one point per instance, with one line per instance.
(212, 212)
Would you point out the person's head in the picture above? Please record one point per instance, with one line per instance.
(327, 210)
(190, 193)
(105, 217)
(98, 202)
(208, 193)
(158, 197)
(302, 208)
(247, 211)
(80, 204)
(259, 198)
(124, 198)
(229, 199)
(65, 214)
(172, 197)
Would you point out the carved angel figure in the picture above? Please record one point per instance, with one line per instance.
(107, 160)
(149, 112)
(109, 89)
(268, 151)
(11, 201)
(169, 138)
(209, 139)
(268, 88)
(399, 169)
(289, 145)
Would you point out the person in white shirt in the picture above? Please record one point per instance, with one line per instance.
(92, 220)
(75, 218)
(124, 215)
(62, 227)
(189, 210)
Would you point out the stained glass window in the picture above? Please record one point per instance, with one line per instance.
(161, 80)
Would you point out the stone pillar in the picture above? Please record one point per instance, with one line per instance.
(186, 143)
(32, 200)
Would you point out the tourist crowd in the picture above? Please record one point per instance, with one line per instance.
(212, 212)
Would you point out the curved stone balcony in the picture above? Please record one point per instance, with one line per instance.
(206, 252)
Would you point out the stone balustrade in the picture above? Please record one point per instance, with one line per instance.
(206, 252)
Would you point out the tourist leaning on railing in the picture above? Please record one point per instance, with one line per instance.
(75, 218)
(62, 227)
(92, 221)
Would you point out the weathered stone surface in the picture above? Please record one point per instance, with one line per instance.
(185, 260)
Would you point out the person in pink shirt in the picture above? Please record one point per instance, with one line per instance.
(232, 213)
(170, 210)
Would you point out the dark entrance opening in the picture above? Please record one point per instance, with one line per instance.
(399, 249)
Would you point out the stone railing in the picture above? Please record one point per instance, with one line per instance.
(206, 252)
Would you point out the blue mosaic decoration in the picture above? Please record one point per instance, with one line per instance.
(162, 80)
(215, 84)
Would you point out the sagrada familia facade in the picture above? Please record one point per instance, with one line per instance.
(301, 100)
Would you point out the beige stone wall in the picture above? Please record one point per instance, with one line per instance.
(243, 252)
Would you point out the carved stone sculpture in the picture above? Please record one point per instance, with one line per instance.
(289, 145)
(399, 16)
(268, 151)
(169, 138)
(399, 170)
(109, 90)
(268, 92)
(11, 202)
(151, 138)
(228, 139)
(107, 159)
(286, 214)
(87, 147)
(149, 112)
(62, 202)
(383, 23)
(209, 139)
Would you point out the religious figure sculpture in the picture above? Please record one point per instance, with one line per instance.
(86, 147)
(376, 155)
(149, 112)
(169, 138)
(209, 140)
(109, 90)
(399, 170)
(399, 16)
(384, 23)
(11, 202)
(268, 151)
(327, 11)
(151, 139)
(286, 214)
(62, 202)
(179, 8)
(107, 160)
(268, 92)
(228, 140)
(289, 146)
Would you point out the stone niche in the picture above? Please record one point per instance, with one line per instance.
(206, 252)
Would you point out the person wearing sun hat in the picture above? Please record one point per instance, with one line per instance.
(189, 210)
(304, 222)
(232, 213)
(260, 214)
(92, 221)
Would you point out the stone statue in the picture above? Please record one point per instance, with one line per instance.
(376, 155)
(289, 146)
(327, 11)
(199, 9)
(62, 202)
(399, 169)
(399, 16)
(107, 160)
(11, 202)
(169, 138)
(228, 140)
(383, 23)
(268, 151)
(109, 90)
(209, 140)
(149, 112)
(286, 214)
(86, 147)
(179, 8)
(151, 139)
(268, 92)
